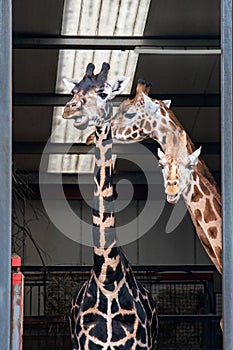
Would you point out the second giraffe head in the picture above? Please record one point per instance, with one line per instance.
(91, 101)
(177, 165)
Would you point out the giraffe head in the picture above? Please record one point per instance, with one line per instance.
(177, 164)
(135, 119)
(129, 109)
(91, 101)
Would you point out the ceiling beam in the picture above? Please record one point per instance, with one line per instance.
(81, 148)
(34, 179)
(178, 100)
(24, 41)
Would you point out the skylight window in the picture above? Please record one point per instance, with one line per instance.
(94, 18)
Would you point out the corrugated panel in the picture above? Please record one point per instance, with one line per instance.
(93, 18)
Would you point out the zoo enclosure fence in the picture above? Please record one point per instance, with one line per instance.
(188, 302)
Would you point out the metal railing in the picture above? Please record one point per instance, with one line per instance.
(185, 296)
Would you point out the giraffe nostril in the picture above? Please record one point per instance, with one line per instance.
(172, 183)
(70, 104)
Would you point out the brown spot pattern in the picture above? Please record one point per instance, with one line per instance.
(218, 251)
(148, 126)
(198, 215)
(173, 127)
(142, 123)
(197, 195)
(162, 111)
(154, 124)
(163, 120)
(128, 131)
(217, 207)
(194, 176)
(155, 135)
(163, 130)
(209, 214)
(212, 232)
(187, 189)
(210, 251)
(204, 189)
(207, 247)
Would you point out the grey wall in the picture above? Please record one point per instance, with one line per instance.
(163, 243)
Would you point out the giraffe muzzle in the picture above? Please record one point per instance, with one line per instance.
(172, 191)
(173, 199)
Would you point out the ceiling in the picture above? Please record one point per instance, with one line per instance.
(192, 81)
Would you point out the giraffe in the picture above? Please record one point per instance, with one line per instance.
(182, 177)
(112, 310)
(142, 117)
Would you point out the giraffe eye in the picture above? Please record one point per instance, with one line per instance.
(130, 115)
(189, 166)
(102, 95)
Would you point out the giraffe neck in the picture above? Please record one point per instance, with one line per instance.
(205, 209)
(106, 251)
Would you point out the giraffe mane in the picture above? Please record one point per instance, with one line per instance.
(201, 166)
(213, 188)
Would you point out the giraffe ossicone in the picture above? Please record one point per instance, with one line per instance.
(112, 310)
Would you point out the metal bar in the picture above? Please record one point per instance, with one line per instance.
(178, 100)
(179, 51)
(227, 172)
(170, 318)
(112, 43)
(5, 172)
(189, 318)
(87, 268)
(81, 148)
(30, 300)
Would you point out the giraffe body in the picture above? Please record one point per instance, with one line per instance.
(112, 310)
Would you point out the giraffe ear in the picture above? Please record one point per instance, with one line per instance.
(119, 86)
(70, 84)
(160, 153)
(150, 106)
(167, 103)
(194, 157)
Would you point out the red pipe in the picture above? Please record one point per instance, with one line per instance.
(17, 293)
